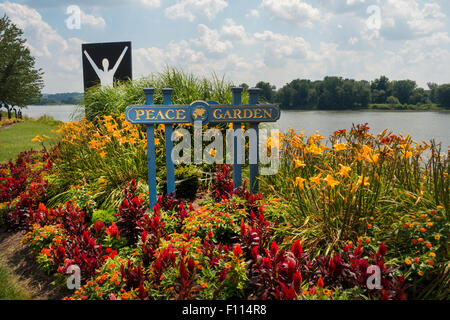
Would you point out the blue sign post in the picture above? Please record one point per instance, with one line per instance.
(205, 112)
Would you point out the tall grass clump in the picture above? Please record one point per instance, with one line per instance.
(187, 87)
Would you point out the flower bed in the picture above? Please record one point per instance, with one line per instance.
(329, 218)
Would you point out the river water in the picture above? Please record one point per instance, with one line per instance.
(422, 125)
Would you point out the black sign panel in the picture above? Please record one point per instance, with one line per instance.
(105, 62)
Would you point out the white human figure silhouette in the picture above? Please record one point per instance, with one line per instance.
(106, 76)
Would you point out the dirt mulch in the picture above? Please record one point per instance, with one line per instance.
(25, 271)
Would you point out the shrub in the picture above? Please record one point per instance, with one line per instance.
(107, 216)
(188, 182)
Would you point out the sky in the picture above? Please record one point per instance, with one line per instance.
(247, 41)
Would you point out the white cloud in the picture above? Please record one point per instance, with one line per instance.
(279, 47)
(189, 9)
(407, 19)
(295, 11)
(230, 30)
(210, 40)
(252, 14)
(91, 20)
(150, 3)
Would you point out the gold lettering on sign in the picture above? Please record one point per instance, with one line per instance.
(248, 113)
(160, 115)
(167, 114)
(268, 113)
(181, 114)
(139, 113)
(217, 116)
(152, 113)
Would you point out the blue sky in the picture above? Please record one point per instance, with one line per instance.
(245, 41)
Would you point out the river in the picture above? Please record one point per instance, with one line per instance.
(422, 125)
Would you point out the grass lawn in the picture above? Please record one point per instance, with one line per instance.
(9, 290)
(17, 137)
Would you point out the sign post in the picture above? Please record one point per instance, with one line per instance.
(204, 112)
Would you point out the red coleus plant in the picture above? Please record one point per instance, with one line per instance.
(153, 232)
(83, 251)
(222, 185)
(131, 211)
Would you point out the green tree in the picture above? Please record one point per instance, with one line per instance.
(444, 96)
(381, 88)
(392, 101)
(419, 95)
(244, 86)
(267, 92)
(434, 88)
(402, 89)
(20, 82)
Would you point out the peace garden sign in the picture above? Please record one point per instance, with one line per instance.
(199, 112)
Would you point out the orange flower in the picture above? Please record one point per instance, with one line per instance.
(429, 245)
(422, 229)
(430, 262)
(408, 262)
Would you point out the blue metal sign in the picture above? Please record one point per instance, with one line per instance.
(201, 111)
(205, 112)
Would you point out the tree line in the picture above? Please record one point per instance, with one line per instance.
(334, 93)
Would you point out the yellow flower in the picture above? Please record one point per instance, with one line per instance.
(101, 180)
(156, 141)
(37, 139)
(299, 163)
(331, 182)
(123, 140)
(439, 207)
(360, 181)
(343, 172)
(408, 262)
(408, 154)
(340, 146)
(316, 150)
(299, 182)
(437, 237)
(316, 179)
(420, 273)
(372, 158)
(432, 254)
(102, 154)
(212, 152)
